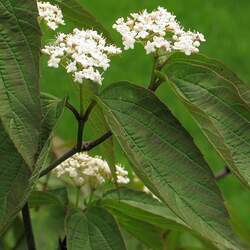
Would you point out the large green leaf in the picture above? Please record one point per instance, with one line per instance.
(150, 235)
(16, 180)
(97, 125)
(142, 206)
(19, 75)
(52, 109)
(57, 197)
(142, 215)
(219, 103)
(75, 13)
(95, 229)
(48, 226)
(164, 156)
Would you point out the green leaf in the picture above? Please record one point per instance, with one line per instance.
(219, 103)
(133, 205)
(95, 229)
(57, 197)
(16, 180)
(74, 12)
(48, 226)
(52, 109)
(97, 126)
(20, 110)
(150, 235)
(165, 158)
(142, 206)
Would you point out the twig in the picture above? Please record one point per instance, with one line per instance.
(28, 228)
(79, 135)
(81, 123)
(88, 111)
(58, 161)
(80, 145)
(223, 173)
(63, 243)
(86, 146)
(73, 110)
(91, 144)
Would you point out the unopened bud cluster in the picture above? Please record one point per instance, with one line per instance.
(157, 30)
(88, 172)
(51, 14)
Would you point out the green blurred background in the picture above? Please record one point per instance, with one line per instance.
(226, 26)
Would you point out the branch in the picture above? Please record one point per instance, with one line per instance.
(62, 244)
(223, 173)
(91, 144)
(88, 111)
(79, 135)
(58, 161)
(81, 123)
(73, 110)
(80, 146)
(28, 228)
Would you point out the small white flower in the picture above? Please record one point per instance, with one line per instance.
(51, 14)
(157, 31)
(54, 62)
(85, 53)
(71, 67)
(122, 175)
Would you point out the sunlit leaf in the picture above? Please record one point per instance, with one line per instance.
(219, 103)
(144, 207)
(165, 158)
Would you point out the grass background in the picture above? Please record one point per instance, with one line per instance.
(225, 24)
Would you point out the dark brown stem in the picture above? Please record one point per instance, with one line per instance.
(154, 86)
(28, 228)
(63, 244)
(91, 144)
(81, 123)
(86, 146)
(88, 111)
(79, 144)
(67, 155)
(80, 135)
(73, 110)
(223, 173)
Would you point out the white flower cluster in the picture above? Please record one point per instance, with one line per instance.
(157, 30)
(51, 14)
(88, 172)
(84, 53)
